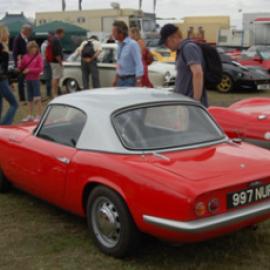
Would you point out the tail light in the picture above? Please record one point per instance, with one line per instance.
(200, 209)
(213, 206)
(205, 209)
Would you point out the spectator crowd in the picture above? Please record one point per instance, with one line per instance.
(133, 59)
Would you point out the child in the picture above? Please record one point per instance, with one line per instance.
(31, 66)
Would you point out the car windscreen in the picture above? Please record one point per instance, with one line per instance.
(165, 126)
(264, 51)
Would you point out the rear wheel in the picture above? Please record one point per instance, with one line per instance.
(110, 223)
(226, 85)
(4, 183)
(71, 86)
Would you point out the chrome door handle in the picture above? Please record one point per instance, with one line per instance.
(63, 160)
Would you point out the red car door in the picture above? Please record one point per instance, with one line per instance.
(42, 160)
(46, 168)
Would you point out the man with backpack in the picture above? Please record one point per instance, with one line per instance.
(90, 51)
(197, 64)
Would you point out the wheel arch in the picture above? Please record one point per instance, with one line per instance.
(93, 183)
(231, 73)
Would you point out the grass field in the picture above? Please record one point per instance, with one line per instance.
(35, 235)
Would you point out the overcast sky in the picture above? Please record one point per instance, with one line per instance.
(165, 8)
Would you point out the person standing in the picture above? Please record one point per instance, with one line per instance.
(129, 60)
(31, 66)
(5, 91)
(47, 66)
(19, 50)
(189, 64)
(147, 58)
(57, 60)
(90, 51)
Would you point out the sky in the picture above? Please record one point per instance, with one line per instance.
(165, 8)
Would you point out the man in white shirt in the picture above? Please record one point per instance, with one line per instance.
(90, 51)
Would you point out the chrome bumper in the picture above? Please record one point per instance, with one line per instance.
(211, 223)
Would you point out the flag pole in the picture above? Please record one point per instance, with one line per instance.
(140, 4)
(63, 5)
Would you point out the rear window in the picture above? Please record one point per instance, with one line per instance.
(163, 127)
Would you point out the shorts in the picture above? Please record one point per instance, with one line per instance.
(33, 90)
(57, 71)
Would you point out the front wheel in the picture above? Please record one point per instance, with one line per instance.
(111, 224)
(226, 85)
(4, 183)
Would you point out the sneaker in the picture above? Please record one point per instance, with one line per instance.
(28, 118)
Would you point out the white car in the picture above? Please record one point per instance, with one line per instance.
(161, 75)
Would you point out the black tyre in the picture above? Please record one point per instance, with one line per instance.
(226, 85)
(71, 86)
(110, 223)
(4, 183)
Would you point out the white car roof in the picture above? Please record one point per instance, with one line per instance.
(99, 105)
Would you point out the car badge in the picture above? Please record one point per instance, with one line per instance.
(255, 184)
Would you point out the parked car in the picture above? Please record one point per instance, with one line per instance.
(152, 43)
(161, 74)
(138, 160)
(247, 119)
(256, 56)
(164, 55)
(233, 52)
(237, 76)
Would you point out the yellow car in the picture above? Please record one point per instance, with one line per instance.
(164, 55)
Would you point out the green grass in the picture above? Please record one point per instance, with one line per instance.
(36, 235)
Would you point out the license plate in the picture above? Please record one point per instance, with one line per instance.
(263, 87)
(248, 196)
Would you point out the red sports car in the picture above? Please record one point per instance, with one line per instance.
(135, 160)
(248, 119)
(256, 56)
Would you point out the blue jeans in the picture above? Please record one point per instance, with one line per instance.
(130, 82)
(21, 87)
(33, 90)
(6, 93)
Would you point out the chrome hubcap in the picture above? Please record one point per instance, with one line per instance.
(72, 86)
(106, 223)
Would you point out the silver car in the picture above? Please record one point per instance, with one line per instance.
(161, 75)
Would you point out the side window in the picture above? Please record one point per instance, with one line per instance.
(63, 125)
(107, 56)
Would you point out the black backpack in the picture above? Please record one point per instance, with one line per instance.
(213, 66)
(88, 50)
